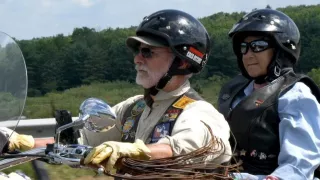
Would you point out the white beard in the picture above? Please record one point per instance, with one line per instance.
(147, 79)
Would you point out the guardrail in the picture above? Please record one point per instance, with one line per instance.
(38, 128)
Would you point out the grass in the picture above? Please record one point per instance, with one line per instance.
(112, 93)
(59, 172)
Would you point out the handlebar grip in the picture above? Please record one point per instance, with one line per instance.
(4, 143)
(82, 162)
(100, 169)
(85, 154)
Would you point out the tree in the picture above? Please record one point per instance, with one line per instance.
(61, 62)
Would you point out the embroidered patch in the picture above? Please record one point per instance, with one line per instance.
(253, 153)
(170, 115)
(128, 125)
(243, 152)
(262, 156)
(183, 102)
(138, 108)
(130, 134)
(160, 131)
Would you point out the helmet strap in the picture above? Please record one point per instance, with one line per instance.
(274, 68)
(173, 70)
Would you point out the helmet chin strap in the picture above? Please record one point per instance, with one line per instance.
(173, 70)
(273, 70)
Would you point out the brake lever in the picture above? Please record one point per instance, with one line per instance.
(71, 154)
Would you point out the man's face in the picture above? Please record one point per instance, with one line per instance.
(151, 64)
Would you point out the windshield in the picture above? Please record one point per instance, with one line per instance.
(13, 82)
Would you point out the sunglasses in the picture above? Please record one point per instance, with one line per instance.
(147, 52)
(255, 46)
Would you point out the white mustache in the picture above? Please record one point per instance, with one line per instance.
(141, 68)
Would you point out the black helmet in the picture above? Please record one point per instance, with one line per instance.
(275, 24)
(184, 34)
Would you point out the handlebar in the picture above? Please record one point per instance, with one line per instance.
(72, 155)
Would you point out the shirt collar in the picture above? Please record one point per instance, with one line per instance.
(249, 89)
(162, 95)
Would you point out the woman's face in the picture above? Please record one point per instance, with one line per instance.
(256, 55)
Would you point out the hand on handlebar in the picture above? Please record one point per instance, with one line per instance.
(17, 141)
(109, 152)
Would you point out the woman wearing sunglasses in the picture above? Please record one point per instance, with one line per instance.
(273, 113)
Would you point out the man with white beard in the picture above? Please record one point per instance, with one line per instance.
(167, 120)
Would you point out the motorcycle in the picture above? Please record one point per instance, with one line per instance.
(13, 93)
(94, 115)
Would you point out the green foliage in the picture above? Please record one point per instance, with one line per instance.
(111, 92)
(209, 87)
(61, 62)
(11, 106)
(56, 172)
(315, 75)
(307, 19)
(25, 168)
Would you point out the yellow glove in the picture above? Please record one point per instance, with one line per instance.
(115, 150)
(18, 141)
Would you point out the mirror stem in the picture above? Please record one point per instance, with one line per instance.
(78, 124)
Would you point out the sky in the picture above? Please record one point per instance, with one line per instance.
(26, 19)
